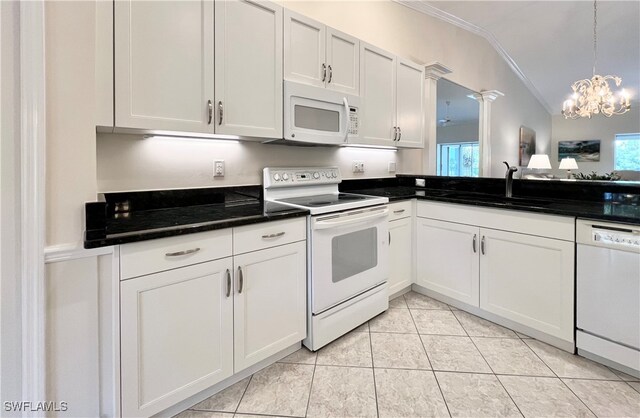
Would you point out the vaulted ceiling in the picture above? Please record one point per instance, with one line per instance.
(550, 43)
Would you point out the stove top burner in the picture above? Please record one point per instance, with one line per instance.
(324, 199)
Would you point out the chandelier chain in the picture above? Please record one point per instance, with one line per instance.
(595, 38)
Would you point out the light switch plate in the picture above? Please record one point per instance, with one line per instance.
(392, 167)
(420, 182)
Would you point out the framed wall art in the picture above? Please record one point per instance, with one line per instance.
(581, 151)
(527, 145)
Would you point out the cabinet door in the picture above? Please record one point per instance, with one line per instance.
(400, 254)
(447, 259)
(177, 335)
(304, 49)
(529, 280)
(377, 95)
(164, 65)
(343, 61)
(410, 101)
(248, 50)
(270, 302)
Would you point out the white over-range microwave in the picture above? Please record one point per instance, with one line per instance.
(318, 115)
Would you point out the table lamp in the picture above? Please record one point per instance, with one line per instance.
(568, 164)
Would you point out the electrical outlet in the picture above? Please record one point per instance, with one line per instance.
(358, 167)
(392, 167)
(218, 168)
(420, 182)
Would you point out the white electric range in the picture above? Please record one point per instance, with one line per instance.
(347, 249)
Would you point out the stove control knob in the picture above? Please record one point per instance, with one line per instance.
(285, 177)
(316, 175)
(276, 177)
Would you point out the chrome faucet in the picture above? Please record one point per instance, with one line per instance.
(508, 177)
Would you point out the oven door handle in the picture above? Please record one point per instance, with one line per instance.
(350, 220)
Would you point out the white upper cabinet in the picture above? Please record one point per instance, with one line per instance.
(410, 104)
(343, 62)
(320, 56)
(378, 96)
(392, 97)
(304, 49)
(248, 70)
(164, 65)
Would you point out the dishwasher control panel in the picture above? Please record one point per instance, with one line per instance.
(612, 235)
(616, 238)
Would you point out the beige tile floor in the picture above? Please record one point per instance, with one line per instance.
(423, 358)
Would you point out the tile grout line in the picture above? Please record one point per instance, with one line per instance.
(489, 365)
(430, 364)
(235, 411)
(373, 372)
(313, 375)
(559, 378)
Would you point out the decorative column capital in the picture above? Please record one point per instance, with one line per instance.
(435, 71)
(487, 95)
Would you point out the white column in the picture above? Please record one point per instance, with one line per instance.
(433, 72)
(32, 219)
(485, 97)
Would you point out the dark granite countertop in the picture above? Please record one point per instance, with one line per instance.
(616, 205)
(186, 213)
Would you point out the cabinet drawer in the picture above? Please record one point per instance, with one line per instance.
(268, 234)
(147, 257)
(399, 210)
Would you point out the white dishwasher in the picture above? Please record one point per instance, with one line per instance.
(608, 293)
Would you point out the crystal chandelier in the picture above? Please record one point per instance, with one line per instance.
(594, 96)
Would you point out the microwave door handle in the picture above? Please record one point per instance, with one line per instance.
(345, 102)
(348, 220)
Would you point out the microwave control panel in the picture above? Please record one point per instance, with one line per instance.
(353, 121)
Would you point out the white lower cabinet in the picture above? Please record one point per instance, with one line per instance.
(269, 302)
(400, 246)
(188, 323)
(521, 277)
(529, 280)
(448, 261)
(176, 335)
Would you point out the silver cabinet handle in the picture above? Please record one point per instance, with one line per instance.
(330, 74)
(482, 245)
(276, 235)
(475, 238)
(398, 211)
(389, 237)
(395, 133)
(228, 283)
(210, 111)
(185, 252)
(220, 112)
(324, 72)
(399, 133)
(240, 280)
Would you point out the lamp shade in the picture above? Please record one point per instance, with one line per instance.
(568, 164)
(539, 161)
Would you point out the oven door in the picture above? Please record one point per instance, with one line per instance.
(349, 255)
(320, 116)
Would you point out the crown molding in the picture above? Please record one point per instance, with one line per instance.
(426, 8)
(435, 70)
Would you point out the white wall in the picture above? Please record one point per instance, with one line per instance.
(131, 162)
(457, 133)
(10, 307)
(598, 127)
